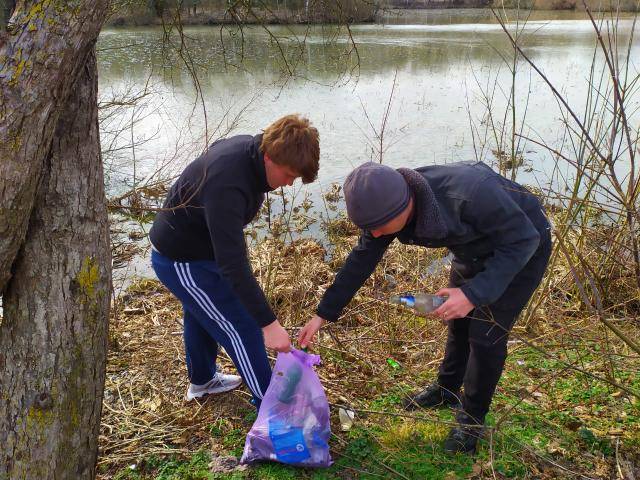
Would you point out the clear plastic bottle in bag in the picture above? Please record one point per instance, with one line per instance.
(292, 378)
(287, 419)
(420, 302)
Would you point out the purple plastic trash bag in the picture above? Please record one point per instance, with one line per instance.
(293, 422)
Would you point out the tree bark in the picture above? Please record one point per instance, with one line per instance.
(53, 338)
(47, 46)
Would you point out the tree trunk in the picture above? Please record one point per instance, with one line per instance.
(46, 47)
(53, 335)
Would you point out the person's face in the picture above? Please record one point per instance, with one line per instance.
(396, 224)
(278, 175)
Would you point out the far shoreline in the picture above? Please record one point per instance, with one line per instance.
(224, 18)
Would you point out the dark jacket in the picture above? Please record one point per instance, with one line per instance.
(215, 197)
(491, 225)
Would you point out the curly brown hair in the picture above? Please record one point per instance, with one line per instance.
(292, 141)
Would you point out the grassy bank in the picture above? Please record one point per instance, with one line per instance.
(288, 17)
(564, 407)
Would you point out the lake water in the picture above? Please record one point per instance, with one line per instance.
(442, 61)
(445, 64)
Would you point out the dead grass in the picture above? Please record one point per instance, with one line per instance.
(144, 412)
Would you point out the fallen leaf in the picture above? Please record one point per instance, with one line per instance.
(476, 470)
(151, 404)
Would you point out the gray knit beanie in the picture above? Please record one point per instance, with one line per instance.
(375, 194)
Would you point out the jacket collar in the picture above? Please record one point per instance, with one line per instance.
(257, 158)
(427, 216)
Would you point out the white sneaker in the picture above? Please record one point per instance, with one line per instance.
(218, 384)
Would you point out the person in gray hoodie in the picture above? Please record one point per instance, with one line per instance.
(500, 238)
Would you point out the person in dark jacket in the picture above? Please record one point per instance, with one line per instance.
(500, 239)
(199, 251)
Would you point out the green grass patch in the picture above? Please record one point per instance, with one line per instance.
(231, 437)
(194, 468)
(392, 399)
(276, 471)
(564, 418)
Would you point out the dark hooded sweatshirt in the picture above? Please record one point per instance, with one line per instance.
(491, 225)
(208, 206)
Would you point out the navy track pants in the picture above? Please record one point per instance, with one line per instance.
(213, 315)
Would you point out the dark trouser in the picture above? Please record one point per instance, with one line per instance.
(214, 315)
(477, 344)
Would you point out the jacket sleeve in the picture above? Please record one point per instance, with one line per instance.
(496, 214)
(224, 213)
(359, 265)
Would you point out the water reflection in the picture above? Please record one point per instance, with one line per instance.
(444, 60)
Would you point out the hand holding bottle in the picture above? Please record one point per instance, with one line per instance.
(456, 306)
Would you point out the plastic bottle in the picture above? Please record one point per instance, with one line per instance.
(287, 419)
(292, 378)
(420, 302)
